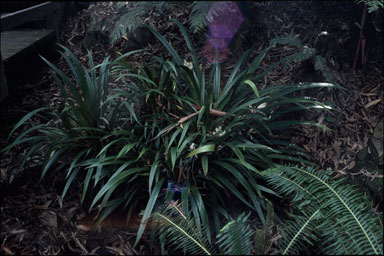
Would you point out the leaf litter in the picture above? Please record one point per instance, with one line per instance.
(51, 226)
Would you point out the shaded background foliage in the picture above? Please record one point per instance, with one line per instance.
(270, 22)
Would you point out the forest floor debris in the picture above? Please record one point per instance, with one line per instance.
(50, 226)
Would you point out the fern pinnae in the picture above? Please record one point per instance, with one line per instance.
(297, 184)
(133, 17)
(183, 232)
(300, 231)
(199, 13)
(179, 211)
(345, 205)
(345, 224)
(235, 237)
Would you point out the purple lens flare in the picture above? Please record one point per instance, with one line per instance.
(217, 43)
(209, 53)
(175, 187)
(224, 20)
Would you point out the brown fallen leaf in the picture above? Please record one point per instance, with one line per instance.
(372, 103)
(115, 250)
(48, 218)
(307, 148)
(6, 250)
(368, 94)
(41, 207)
(83, 228)
(17, 231)
(93, 252)
(3, 174)
(82, 246)
(351, 165)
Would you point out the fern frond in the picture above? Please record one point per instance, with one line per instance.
(320, 64)
(373, 5)
(305, 54)
(299, 233)
(133, 17)
(127, 22)
(235, 237)
(345, 220)
(285, 40)
(199, 13)
(180, 230)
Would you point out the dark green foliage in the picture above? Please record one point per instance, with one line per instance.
(210, 137)
(181, 232)
(373, 5)
(174, 126)
(199, 13)
(305, 53)
(332, 214)
(135, 16)
(263, 236)
(82, 114)
(235, 238)
(86, 116)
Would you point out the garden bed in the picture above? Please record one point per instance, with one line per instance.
(51, 226)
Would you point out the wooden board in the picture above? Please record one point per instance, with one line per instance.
(13, 42)
(12, 20)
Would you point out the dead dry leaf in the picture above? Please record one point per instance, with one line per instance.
(372, 103)
(351, 165)
(17, 231)
(83, 228)
(6, 250)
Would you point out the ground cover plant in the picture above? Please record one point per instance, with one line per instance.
(331, 217)
(199, 128)
(76, 128)
(176, 132)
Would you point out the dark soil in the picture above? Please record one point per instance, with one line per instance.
(34, 220)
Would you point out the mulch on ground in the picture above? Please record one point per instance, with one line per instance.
(34, 220)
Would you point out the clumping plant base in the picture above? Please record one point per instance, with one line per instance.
(178, 133)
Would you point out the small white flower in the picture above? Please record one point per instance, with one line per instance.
(218, 129)
(262, 105)
(188, 64)
(219, 132)
(193, 146)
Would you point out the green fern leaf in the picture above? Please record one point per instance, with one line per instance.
(285, 40)
(320, 64)
(235, 237)
(127, 22)
(305, 54)
(180, 230)
(373, 5)
(301, 232)
(133, 17)
(199, 14)
(345, 222)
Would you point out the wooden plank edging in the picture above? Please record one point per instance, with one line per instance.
(17, 18)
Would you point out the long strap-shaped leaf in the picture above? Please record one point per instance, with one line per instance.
(148, 209)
